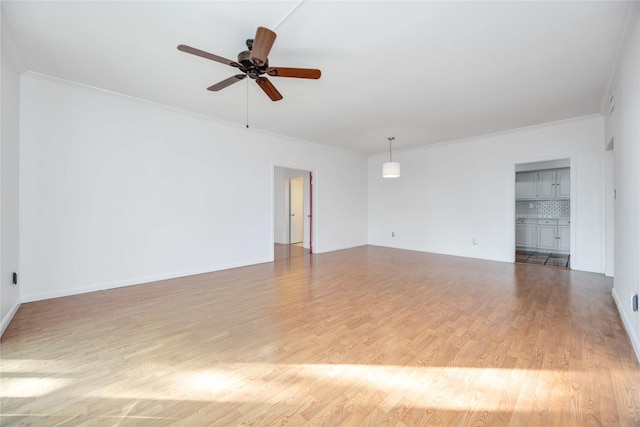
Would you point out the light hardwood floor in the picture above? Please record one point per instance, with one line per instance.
(365, 336)
(281, 251)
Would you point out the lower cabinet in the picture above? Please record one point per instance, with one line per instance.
(547, 236)
(543, 234)
(526, 233)
(564, 237)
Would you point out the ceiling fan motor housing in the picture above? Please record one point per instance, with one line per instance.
(248, 67)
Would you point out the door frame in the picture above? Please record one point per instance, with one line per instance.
(573, 186)
(311, 234)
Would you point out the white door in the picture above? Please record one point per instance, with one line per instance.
(296, 211)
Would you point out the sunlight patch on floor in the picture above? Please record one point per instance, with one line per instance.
(451, 388)
(31, 387)
(33, 378)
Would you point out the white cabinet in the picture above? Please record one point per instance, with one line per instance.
(564, 235)
(526, 185)
(550, 235)
(563, 183)
(554, 235)
(547, 234)
(526, 233)
(546, 184)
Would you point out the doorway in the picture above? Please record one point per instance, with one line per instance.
(543, 213)
(293, 207)
(296, 210)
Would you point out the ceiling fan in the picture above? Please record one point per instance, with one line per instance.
(254, 63)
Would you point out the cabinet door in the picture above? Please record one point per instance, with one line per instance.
(563, 181)
(526, 185)
(547, 237)
(547, 184)
(564, 237)
(526, 235)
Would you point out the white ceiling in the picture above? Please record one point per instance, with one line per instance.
(424, 72)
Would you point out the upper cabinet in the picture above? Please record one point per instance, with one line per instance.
(526, 185)
(544, 184)
(563, 186)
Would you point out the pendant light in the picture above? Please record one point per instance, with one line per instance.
(390, 169)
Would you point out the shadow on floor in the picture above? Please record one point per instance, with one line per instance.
(543, 258)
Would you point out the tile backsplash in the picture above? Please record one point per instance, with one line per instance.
(543, 208)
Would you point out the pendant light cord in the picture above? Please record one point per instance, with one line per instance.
(391, 138)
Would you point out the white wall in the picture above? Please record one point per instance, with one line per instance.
(280, 195)
(11, 66)
(609, 202)
(450, 193)
(117, 191)
(624, 127)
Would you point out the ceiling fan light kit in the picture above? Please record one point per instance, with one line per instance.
(390, 169)
(254, 63)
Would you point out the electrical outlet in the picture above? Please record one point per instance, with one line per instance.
(393, 234)
(475, 240)
(634, 302)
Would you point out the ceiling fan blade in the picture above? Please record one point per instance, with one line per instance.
(262, 44)
(269, 88)
(211, 56)
(301, 73)
(227, 82)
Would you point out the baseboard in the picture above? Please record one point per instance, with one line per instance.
(7, 319)
(336, 248)
(507, 259)
(132, 282)
(627, 324)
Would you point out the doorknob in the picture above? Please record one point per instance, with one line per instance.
(293, 214)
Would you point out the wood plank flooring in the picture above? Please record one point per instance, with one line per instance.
(366, 336)
(282, 251)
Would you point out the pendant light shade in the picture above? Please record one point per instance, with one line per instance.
(390, 169)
